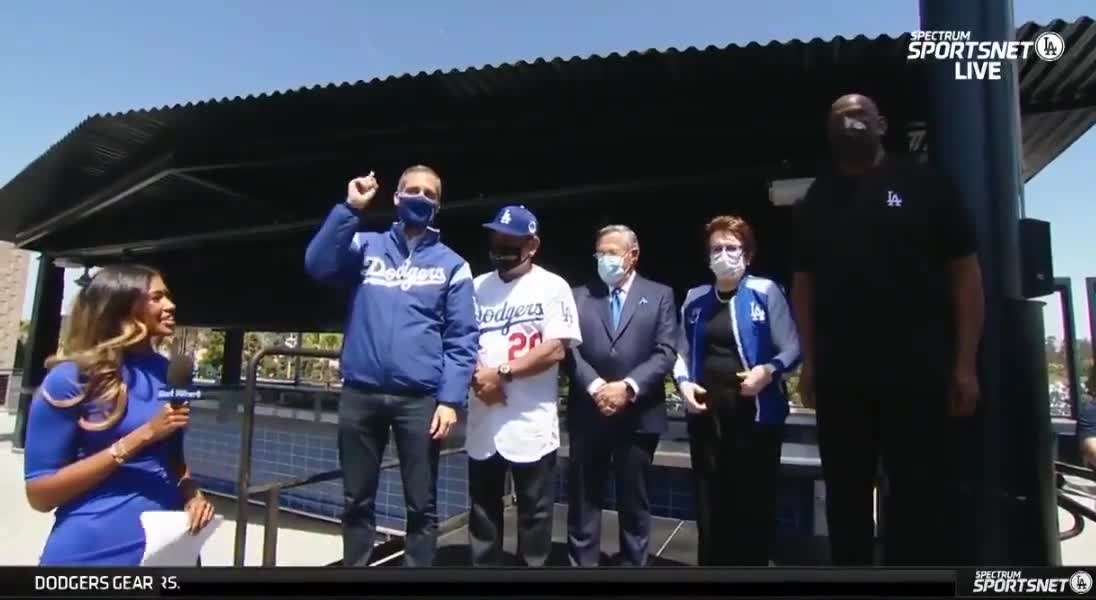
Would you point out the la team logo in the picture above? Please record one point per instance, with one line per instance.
(981, 60)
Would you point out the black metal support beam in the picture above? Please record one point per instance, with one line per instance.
(1064, 288)
(232, 368)
(42, 340)
(183, 242)
(1090, 300)
(222, 190)
(538, 196)
(135, 181)
(974, 131)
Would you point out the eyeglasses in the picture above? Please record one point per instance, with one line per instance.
(599, 255)
(728, 248)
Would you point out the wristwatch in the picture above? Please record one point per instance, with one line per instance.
(505, 372)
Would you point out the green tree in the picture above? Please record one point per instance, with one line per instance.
(792, 383)
(322, 371)
(1083, 351)
(211, 348)
(1054, 354)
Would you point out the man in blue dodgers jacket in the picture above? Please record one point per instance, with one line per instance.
(740, 340)
(408, 356)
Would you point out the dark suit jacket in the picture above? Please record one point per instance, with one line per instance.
(643, 348)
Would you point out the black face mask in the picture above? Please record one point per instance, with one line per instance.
(506, 258)
(856, 141)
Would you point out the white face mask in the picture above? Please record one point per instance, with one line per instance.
(728, 265)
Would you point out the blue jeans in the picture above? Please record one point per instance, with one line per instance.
(366, 421)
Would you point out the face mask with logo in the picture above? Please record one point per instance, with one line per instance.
(728, 265)
(610, 269)
(416, 211)
(505, 258)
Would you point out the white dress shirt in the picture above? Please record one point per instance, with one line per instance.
(624, 286)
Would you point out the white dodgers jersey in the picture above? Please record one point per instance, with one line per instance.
(514, 317)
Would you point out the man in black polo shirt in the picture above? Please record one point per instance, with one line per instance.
(887, 293)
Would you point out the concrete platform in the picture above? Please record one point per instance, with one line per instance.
(673, 543)
(312, 542)
(453, 548)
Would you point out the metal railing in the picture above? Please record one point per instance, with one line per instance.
(272, 491)
(1065, 491)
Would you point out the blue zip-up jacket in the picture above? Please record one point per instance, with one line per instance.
(763, 328)
(412, 326)
(1086, 418)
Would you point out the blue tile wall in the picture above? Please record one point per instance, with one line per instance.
(288, 448)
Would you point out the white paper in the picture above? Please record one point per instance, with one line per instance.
(168, 541)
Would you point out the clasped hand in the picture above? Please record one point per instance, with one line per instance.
(755, 380)
(612, 397)
(487, 385)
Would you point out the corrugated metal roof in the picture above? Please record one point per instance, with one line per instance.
(1069, 79)
(1042, 81)
(106, 148)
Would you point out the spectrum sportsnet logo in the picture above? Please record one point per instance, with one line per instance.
(1014, 582)
(981, 60)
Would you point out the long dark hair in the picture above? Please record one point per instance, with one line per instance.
(104, 324)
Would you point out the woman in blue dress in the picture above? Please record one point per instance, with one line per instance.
(102, 447)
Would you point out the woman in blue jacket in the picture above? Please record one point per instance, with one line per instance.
(102, 446)
(740, 341)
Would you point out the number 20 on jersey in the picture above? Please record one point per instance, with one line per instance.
(521, 343)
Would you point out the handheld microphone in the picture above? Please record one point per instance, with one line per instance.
(180, 377)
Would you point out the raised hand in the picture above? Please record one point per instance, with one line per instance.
(360, 191)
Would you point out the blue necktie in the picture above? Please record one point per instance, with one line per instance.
(615, 306)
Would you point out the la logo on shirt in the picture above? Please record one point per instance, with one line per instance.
(893, 199)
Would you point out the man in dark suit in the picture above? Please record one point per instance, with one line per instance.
(616, 408)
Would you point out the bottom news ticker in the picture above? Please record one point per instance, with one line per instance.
(482, 582)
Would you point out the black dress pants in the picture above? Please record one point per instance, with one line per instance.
(736, 469)
(535, 489)
(906, 428)
(597, 455)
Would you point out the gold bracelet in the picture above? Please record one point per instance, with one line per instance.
(119, 452)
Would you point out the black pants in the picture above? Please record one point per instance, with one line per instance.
(736, 468)
(365, 423)
(535, 488)
(906, 427)
(629, 456)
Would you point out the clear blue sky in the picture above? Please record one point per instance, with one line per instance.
(63, 61)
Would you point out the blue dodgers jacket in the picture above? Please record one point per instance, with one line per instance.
(412, 326)
(763, 328)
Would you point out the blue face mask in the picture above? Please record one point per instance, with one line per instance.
(610, 269)
(416, 211)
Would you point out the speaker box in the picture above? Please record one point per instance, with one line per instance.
(1036, 259)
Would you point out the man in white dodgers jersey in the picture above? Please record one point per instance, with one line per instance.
(527, 320)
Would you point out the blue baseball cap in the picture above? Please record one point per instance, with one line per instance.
(517, 221)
